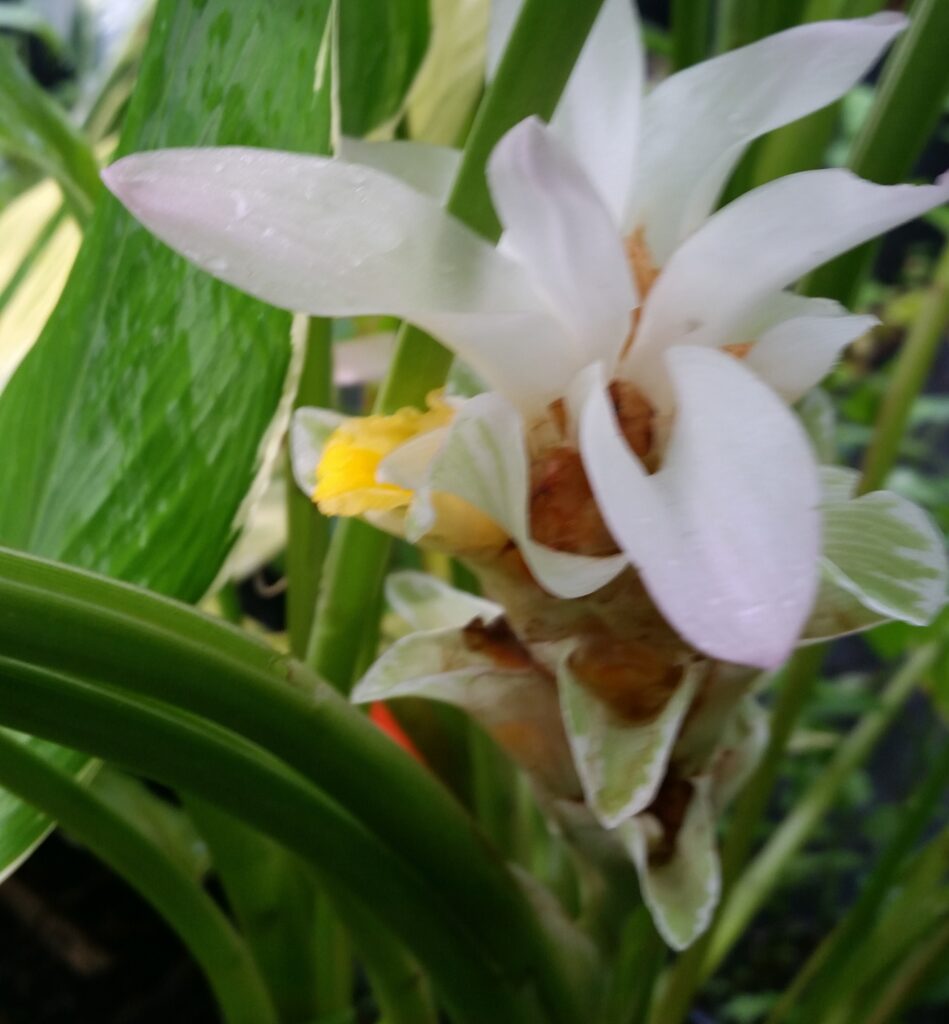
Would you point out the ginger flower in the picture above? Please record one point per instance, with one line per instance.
(620, 318)
(638, 498)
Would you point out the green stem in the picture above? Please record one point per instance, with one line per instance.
(760, 878)
(67, 619)
(273, 899)
(913, 364)
(400, 988)
(307, 530)
(829, 962)
(231, 972)
(352, 578)
(905, 111)
(34, 128)
(800, 677)
(327, 978)
(688, 972)
(634, 970)
(161, 743)
(544, 46)
(910, 977)
(691, 24)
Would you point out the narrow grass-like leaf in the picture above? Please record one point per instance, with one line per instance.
(33, 128)
(909, 101)
(184, 904)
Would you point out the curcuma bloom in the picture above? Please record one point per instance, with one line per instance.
(633, 489)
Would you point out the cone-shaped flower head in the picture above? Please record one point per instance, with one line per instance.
(639, 349)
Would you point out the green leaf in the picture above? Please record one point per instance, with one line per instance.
(381, 46)
(137, 419)
(906, 109)
(39, 246)
(164, 825)
(33, 128)
(22, 827)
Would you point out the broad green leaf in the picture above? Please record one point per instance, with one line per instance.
(137, 420)
(381, 46)
(621, 762)
(39, 247)
(34, 129)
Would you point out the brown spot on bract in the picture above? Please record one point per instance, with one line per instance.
(634, 680)
(669, 807)
(563, 512)
(635, 415)
(496, 640)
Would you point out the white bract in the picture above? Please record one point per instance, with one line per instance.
(606, 212)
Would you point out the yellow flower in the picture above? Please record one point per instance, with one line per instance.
(346, 483)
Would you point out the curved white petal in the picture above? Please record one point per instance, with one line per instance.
(598, 114)
(484, 461)
(329, 238)
(427, 168)
(410, 464)
(527, 357)
(315, 235)
(784, 305)
(697, 123)
(310, 429)
(756, 245)
(559, 228)
(726, 534)
(797, 354)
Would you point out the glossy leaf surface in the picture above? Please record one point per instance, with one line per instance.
(381, 46)
(136, 421)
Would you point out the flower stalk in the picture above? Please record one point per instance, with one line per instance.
(764, 872)
(529, 80)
